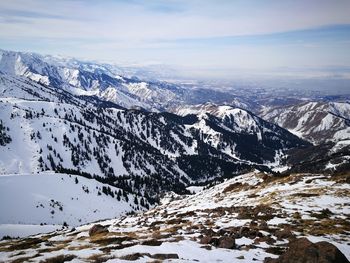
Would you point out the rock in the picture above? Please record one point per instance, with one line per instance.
(253, 224)
(296, 215)
(209, 240)
(244, 213)
(208, 232)
(165, 256)
(267, 239)
(97, 229)
(49, 244)
(135, 256)
(303, 251)
(276, 250)
(331, 253)
(263, 225)
(151, 242)
(222, 232)
(248, 232)
(284, 234)
(227, 242)
(205, 240)
(255, 233)
(243, 231)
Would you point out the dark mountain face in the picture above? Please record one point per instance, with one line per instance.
(327, 158)
(139, 151)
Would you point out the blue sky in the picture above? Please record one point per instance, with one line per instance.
(232, 35)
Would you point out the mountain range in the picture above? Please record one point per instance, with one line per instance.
(106, 81)
(129, 141)
(51, 129)
(139, 88)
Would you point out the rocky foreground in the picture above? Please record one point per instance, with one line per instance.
(251, 218)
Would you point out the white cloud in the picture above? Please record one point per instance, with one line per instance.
(134, 22)
(153, 30)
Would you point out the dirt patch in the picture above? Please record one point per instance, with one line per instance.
(59, 259)
(23, 244)
(111, 240)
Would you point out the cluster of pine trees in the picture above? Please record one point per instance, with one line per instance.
(4, 137)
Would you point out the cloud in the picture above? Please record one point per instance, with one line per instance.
(14, 13)
(218, 33)
(151, 20)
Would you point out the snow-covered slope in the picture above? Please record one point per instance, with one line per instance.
(250, 132)
(313, 121)
(55, 199)
(43, 128)
(51, 129)
(236, 119)
(245, 219)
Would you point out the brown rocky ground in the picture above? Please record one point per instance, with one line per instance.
(245, 219)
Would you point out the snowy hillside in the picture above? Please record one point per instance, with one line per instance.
(252, 132)
(57, 199)
(50, 129)
(313, 121)
(245, 219)
(237, 119)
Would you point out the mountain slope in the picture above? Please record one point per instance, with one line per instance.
(313, 121)
(49, 198)
(250, 136)
(51, 129)
(46, 128)
(245, 219)
(327, 158)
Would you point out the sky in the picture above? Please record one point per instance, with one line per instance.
(200, 36)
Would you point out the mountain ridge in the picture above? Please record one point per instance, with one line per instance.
(313, 121)
(59, 131)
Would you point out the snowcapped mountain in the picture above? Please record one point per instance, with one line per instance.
(251, 135)
(235, 118)
(313, 121)
(47, 128)
(87, 78)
